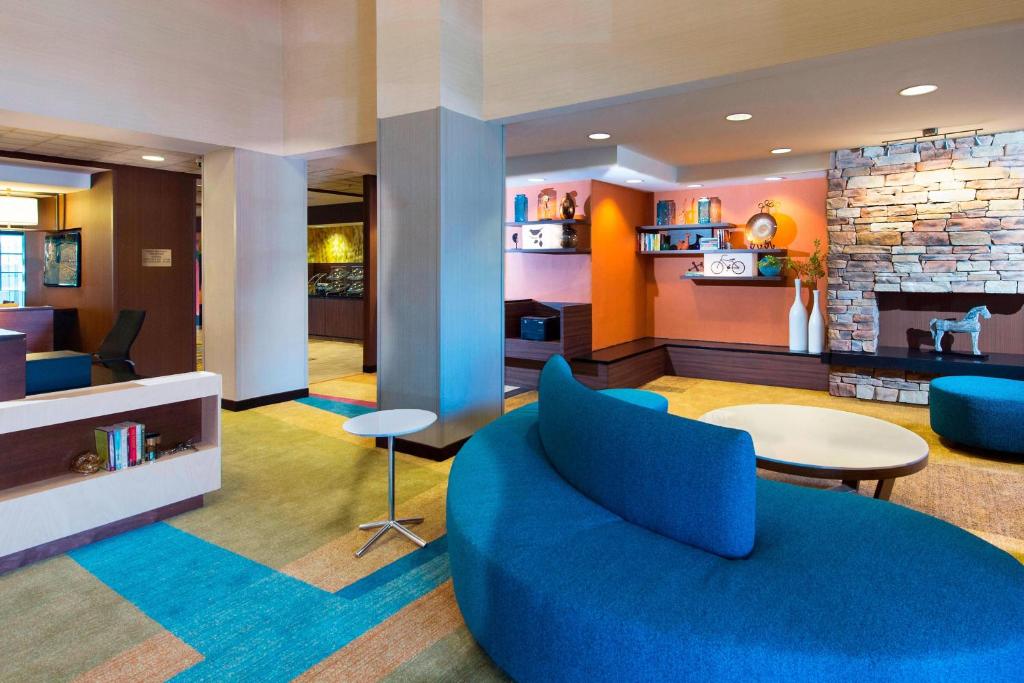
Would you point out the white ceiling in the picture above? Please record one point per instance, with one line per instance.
(847, 100)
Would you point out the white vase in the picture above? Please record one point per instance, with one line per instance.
(797, 322)
(815, 327)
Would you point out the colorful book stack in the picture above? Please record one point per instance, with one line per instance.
(651, 241)
(121, 445)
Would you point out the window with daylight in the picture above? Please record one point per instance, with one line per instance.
(12, 267)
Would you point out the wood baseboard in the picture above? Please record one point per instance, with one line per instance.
(435, 453)
(63, 545)
(258, 401)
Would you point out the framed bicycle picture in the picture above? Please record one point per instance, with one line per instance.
(62, 258)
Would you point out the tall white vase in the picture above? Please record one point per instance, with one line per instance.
(797, 321)
(815, 327)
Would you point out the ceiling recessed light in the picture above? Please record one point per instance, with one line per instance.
(773, 178)
(535, 180)
(634, 181)
(739, 117)
(695, 185)
(152, 157)
(599, 136)
(915, 90)
(781, 150)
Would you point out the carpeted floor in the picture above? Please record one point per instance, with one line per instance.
(261, 583)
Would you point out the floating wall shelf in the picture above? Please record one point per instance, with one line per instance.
(745, 279)
(687, 226)
(698, 252)
(549, 221)
(547, 251)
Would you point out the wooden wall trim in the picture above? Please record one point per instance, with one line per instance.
(369, 207)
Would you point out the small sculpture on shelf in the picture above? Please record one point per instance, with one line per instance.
(546, 204)
(970, 323)
(761, 227)
(86, 463)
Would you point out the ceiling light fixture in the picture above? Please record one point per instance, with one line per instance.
(535, 180)
(781, 150)
(599, 136)
(695, 185)
(634, 181)
(739, 117)
(152, 157)
(19, 210)
(915, 90)
(773, 178)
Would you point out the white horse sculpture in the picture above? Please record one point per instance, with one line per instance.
(970, 323)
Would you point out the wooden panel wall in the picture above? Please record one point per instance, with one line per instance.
(780, 370)
(903, 319)
(156, 210)
(12, 365)
(370, 273)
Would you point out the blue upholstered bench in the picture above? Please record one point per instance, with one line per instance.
(984, 412)
(703, 571)
(640, 397)
(57, 370)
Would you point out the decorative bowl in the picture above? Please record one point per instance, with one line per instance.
(769, 269)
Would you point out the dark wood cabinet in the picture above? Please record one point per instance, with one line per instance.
(339, 318)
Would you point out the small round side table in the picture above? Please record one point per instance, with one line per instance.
(390, 423)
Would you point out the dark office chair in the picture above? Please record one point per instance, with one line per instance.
(114, 352)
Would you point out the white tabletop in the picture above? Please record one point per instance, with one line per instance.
(390, 422)
(821, 437)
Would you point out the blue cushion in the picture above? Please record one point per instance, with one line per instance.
(985, 412)
(557, 588)
(639, 397)
(57, 371)
(687, 480)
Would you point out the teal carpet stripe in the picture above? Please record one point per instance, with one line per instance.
(336, 407)
(249, 621)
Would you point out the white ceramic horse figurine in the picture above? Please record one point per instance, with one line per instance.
(970, 323)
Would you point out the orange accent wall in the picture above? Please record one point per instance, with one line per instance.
(617, 273)
(756, 314)
(547, 277)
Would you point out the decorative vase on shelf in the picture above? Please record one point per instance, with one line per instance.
(521, 206)
(569, 206)
(815, 327)
(797, 321)
(569, 237)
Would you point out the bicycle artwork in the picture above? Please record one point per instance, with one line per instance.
(728, 263)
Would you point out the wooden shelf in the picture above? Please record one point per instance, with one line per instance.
(687, 226)
(549, 221)
(734, 278)
(697, 252)
(547, 251)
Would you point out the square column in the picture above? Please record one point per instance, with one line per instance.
(255, 326)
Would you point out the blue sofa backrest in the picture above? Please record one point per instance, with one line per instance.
(684, 479)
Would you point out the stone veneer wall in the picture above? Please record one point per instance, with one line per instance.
(944, 216)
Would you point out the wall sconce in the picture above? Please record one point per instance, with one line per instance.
(19, 210)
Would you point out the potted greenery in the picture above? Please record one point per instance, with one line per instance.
(770, 265)
(807, 335)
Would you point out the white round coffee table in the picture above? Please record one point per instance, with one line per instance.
(827, 444)
(390, 423)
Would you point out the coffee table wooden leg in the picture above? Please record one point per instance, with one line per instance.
(852, 483)
(884, 489)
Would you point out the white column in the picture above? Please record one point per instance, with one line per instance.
(254, 274)
(440, 201)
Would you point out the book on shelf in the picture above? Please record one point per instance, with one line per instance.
(121, 445)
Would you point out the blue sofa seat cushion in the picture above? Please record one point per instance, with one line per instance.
(639, 397)
(57, 371)
(985, 412)
(687, 480)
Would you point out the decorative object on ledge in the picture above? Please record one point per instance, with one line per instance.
(769, 265)
(729, 265)
(704, 210)
(797, 320)
(521, 208)
(761, 227)
(569, 205)
(716, 210)
(666, 212)
(810, 271)
(569, 237)
(85, 463)
(970, 324)
(546, 204)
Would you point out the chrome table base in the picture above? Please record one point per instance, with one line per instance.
(398, 525)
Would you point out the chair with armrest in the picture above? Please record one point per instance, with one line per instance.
(114, 352)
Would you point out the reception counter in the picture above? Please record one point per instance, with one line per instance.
(336, 316)
(45, 328)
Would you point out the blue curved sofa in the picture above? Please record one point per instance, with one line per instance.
(556, 587)
(984, 412)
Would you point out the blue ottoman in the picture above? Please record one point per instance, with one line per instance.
(57, 371)
(639, 397)
(985, 412)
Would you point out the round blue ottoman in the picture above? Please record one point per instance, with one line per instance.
(639, 397)
(984, 412)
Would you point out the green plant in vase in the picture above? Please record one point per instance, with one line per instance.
(807, 334)
(770, 265)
